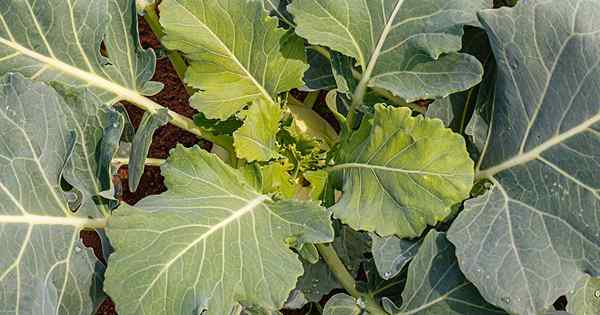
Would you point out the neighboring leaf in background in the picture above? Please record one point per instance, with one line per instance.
(236, 59)
(342, 67)
(341, 304)
(140, 145)
(317, 180)
(319, 75)
(295, 301)
(500, 3)
(256, 139)
(217, 126)
(97, 130)
(388, 291)
(230, 239)
(351, 246)
(60, 40)
(391, 254)
(44, 267)
(277, 179)
(278, 9)
(456, 110)
(585, 300)
(317, 281)
(542, 156)
(406, 47)
(401, 173)
(435, 284)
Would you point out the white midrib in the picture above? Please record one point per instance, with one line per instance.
(535, 153)
(233, 57)
(30, 219)
(91, 78)
(384, 34)
(249, 207)
(392, 169)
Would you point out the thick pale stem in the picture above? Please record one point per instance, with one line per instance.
(148, 161)
(338, 268)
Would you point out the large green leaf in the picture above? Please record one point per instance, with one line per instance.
(586, 299)
(535, 234)
(96, 130)
(237, 54)
(405, 46)
(392, 253)
(401, 173)
(210, 242)
(435, 284)
(43, 267)
(59, 40)
(341, 304)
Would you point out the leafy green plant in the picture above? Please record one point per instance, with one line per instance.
(328, 179)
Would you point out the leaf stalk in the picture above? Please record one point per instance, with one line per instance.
(338, 268)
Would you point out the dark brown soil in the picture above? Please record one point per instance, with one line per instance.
(173, 96)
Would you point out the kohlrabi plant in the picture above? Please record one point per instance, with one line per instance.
(368, 157)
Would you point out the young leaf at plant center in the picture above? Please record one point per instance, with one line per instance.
(317, 180)
(435, 284)
(277, 179)
(44, 266)
(341, 304)
(391, 254)
(256, 139)
(59, 40)
(141, 145)
(406, 47)
(542, 157)
(232, 243)
(401, 173)
(237, 53)
(585, 300)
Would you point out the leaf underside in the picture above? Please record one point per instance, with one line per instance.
(208, 243)
(534, 235)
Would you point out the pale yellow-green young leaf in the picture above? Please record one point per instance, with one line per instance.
(236, 51)
(276, 179)
(211, 242)
(255, 140)
(401, 173)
